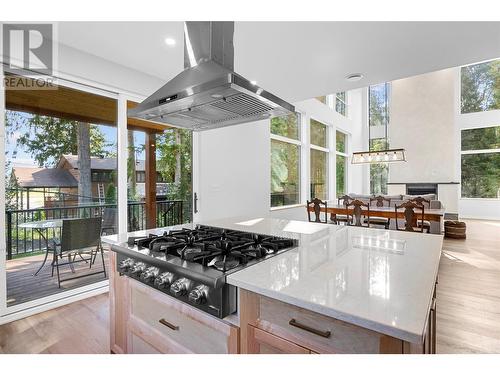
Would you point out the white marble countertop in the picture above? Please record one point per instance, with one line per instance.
(377, 279)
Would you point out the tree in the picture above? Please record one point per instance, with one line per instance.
(174, 162)
(480, 87)
(48, 138)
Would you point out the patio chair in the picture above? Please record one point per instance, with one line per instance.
(109, 221)
(79, 237)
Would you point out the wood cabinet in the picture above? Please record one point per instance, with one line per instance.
(271, 326)
(145, 320)
(262, 342)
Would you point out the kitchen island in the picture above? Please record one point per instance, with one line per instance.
(341, 290)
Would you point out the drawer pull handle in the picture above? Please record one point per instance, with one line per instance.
(294, 323)
(169, 325)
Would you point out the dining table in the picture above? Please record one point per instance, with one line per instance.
(41, 227)
(433, 215)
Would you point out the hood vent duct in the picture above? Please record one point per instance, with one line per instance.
(208, 94)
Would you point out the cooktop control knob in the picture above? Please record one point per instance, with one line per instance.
(149, 274)
(138, 268)
(164, 280)
(199, 295)
(180, 287)
(125, 264)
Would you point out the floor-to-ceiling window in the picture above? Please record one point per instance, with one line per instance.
(378, 121)
(285, 160)
(480, 135)
(60, 183)
(341, 163)
(318, 159)
(165, 178)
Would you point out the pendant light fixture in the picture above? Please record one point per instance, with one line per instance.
(383, 156)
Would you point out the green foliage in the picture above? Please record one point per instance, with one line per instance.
(174, 162)
(379, 116)
(340, 174)
(480, 87)
(481, 171)
(110, 195)
(285, 182)
(286, 126)
(47, 138)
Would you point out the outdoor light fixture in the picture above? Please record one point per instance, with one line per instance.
(383, 156)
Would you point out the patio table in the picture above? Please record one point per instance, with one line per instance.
(40, 226)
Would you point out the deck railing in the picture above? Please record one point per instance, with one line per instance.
(23, 241)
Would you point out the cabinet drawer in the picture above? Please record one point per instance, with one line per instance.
(315, 331)
(262, 342)
(181, 325)
(139, 346)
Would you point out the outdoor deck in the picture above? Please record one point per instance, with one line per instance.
(22, 286)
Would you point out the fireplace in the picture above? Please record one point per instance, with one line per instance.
(421, 189)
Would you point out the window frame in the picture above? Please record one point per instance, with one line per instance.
(322, 149)
(297, 142)
(474, 152)
(345, 102)
(345, 154)
(459, 94)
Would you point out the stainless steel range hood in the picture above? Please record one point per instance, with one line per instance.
(208, 94)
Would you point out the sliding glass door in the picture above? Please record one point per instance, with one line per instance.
(60, 176)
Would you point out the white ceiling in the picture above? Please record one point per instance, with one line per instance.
(299, 60)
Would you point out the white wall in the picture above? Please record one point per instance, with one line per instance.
(234, 163)
(426, 121)
(422, 122)
(99, 72)
(234, 174)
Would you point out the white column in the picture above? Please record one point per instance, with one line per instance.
(3, 284)
(197, 216)
(304, 158)
(122, 164)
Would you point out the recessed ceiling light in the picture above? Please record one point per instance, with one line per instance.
(354, 77)
(170, 42)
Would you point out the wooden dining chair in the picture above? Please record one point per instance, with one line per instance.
(425, 203)
(380, 201)
(356, 217)
(412, 212)
(339, 218)
(317, 206)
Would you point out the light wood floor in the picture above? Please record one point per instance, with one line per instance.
(22, 286)
(79, 328)
(468, 300)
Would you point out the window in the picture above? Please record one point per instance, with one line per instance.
(322, 99)
(378, 116)
(341, 163)
(480, 87)
(140, 176)
(341, 103)
(319, 160)
(480, 161)
(285, 160)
